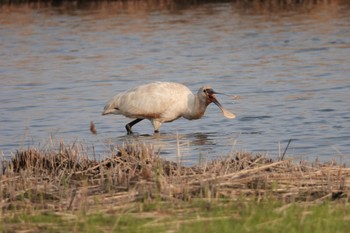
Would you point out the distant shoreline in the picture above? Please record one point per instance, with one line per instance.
(270, 3)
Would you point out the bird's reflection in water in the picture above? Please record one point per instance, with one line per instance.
(200, 139)
(191, 147)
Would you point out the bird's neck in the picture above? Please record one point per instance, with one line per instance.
(196, 108)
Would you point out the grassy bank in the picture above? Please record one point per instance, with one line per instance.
(62, 189)
(192, 216)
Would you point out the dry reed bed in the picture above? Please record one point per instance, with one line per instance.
(65, 178)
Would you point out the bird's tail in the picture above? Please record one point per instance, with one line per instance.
(110, 108)
(108, 111)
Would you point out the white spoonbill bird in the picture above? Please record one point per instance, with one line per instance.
(162, 102)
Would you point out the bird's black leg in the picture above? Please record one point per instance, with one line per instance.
(131, 124)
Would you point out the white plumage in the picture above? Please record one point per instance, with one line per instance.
(162, 102)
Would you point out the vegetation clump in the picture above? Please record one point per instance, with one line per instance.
(67, 178)
(41, 188)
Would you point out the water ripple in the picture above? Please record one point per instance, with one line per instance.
(290, 68)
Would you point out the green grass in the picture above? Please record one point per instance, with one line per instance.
(192, 216)
(274, 217)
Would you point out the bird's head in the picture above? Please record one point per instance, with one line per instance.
(208, 94)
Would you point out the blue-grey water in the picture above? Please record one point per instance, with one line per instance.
(290, 67)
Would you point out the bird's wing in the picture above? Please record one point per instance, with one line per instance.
(152, 100)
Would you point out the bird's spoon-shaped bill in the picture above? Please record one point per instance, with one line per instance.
(226, 113)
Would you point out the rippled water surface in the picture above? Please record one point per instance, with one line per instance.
(290, 66)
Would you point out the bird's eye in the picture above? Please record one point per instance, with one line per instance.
(205, 90)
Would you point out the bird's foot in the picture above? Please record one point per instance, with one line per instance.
(128, 129)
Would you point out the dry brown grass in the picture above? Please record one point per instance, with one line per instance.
(66, 178)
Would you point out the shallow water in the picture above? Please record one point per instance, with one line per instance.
(289, 66)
